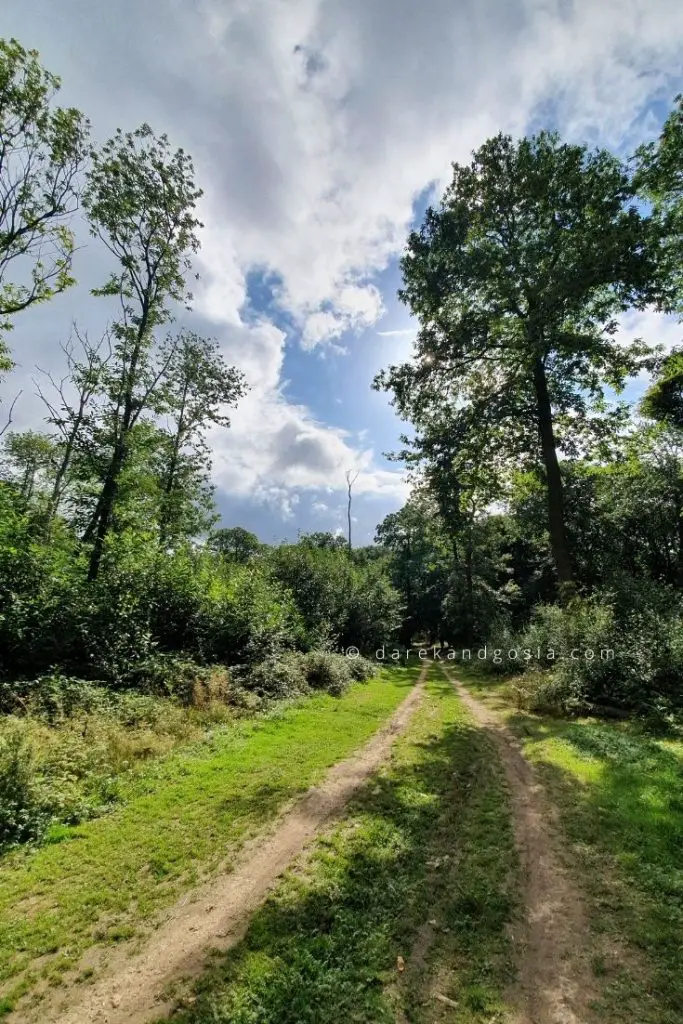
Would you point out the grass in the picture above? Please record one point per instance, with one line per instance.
(422, 868)
(619, 791)
(97, 882)
(79, 765)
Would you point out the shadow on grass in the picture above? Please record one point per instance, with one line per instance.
(621, 795)
(429, 840)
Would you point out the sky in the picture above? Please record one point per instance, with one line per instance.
(320, 130)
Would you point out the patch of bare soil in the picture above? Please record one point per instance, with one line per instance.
(133, 988)
(556, 985)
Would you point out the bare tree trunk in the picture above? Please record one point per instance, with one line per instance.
(351, 478)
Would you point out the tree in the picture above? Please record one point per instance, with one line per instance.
(516, 280)
(663, 400)
(140, 198)
(74, 416)
(663, 403)
(235, 543)
(198, 389)
(420, 563)
(659, 179)
(42, 150)
(29, 459)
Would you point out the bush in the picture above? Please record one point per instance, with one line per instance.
(330, 672)
(548, 693)
(23, 815)
(191, 684)
(620, 650)
(362, 669)
(277, 678)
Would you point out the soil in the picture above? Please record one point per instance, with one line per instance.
(555, 982)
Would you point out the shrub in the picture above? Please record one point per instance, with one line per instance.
(23, 815)
(326, 671)
(551, 693)
(620, 650)
(361, 669)
(277, 678)
(191, 684)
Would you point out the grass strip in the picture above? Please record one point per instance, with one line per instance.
(619, 790)
(106, 876)
(423, 868)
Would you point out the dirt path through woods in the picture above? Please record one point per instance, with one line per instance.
(555, 983)
(131, 989)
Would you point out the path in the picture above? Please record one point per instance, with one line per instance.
(132, 990)
(556, 986)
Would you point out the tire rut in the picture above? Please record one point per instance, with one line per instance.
(555, 985)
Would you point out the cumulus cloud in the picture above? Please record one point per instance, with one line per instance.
(275, 445)
(315, 125)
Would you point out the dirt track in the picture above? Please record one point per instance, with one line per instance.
(131, 991)
(555, 984)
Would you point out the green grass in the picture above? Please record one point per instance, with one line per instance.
(189, 814)
(620, 795)
(428, 840)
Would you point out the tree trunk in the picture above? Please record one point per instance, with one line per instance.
(469, 589)
(61, 475)
(106, 508)
(165, 516)
(107, 500)
(555, 491)
(679, 513)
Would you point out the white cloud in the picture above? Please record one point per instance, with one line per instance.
(407, 332)
(337, 154)
(274, 445)
(333, 157)
(315, 125)
(651, 327)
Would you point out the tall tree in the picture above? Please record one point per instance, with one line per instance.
(70, 408)
(140, 198)
(659, 179)
(516, 280)
(42, 150)
(235, 543)
(199, 387)
(28, 461)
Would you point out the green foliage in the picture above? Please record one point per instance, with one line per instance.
(516, 280)
(325, 671)
(23, 816)
(361, 669)
(67, 746)
(43, 150)
(664, 399)
(341, 600)
(277, 678)
(659, 179)
(235, 543)
(621, 649)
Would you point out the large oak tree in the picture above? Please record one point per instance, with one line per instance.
(517, 279)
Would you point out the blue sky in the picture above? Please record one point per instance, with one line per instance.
(318, 128)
